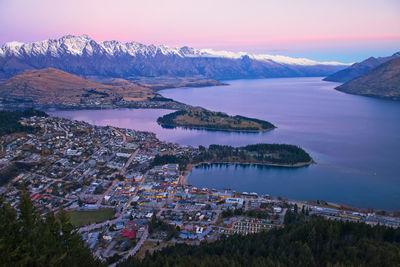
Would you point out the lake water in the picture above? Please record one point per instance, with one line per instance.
(354, 140)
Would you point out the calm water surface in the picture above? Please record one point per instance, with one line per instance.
(354, 140)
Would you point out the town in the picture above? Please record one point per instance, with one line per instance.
(124, 204)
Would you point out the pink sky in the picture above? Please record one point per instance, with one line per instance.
(332, 29)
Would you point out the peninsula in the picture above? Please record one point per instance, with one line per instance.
(199, 118)
(281, 155)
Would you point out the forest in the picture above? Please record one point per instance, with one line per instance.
(27, 239)
(9, 120)
(304, 241)
(279, 154)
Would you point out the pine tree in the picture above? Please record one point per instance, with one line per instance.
(26, 239)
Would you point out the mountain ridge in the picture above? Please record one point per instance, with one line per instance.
(358, 69)
(382, 81)
(83, 56)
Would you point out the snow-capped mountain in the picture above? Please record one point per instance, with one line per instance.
(83, 56)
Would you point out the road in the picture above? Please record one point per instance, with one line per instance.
(130, 160)
(135, 249)
(128, 203)
(105, 193)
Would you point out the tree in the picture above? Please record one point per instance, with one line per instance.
(29, 240)
(316, 242)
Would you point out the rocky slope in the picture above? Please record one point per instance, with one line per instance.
(83, 56)
(383, 82)
(358, 69)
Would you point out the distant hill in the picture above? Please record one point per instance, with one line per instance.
(85, 57)
(46, 86)
(358, 69)
(383, 81)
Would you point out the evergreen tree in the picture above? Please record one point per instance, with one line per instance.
(315, 242)
(26, 239)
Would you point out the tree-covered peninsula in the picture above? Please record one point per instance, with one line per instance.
(262, 154)
(200, 118)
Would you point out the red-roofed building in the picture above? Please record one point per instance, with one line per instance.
(129, 233)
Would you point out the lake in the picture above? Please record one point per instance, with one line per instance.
(355, 140)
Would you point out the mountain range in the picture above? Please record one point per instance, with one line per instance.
(382, 81)
(83, 56)
(358, 69)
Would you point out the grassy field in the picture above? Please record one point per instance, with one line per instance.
(83, 217)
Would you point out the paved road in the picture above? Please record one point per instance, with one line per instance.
(130, 160)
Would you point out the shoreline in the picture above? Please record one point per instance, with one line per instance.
(331, 204)
(186, 173)
(297, 165)
(213, 129)
(171, 105)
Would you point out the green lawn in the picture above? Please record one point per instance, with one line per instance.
(83, 217)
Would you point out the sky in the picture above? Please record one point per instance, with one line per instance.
(328, 30)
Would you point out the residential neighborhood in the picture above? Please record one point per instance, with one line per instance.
(123, 204)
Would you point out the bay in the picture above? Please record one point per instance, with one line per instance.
(355, 140)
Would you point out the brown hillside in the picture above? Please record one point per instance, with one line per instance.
(53, 85)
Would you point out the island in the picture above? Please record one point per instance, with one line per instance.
(281, 155)
(199, 118)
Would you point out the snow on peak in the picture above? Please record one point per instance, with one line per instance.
(265, 57)
(12, 48)
(75, 45)
(69, 44)
(14, 45)
(84, 45)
